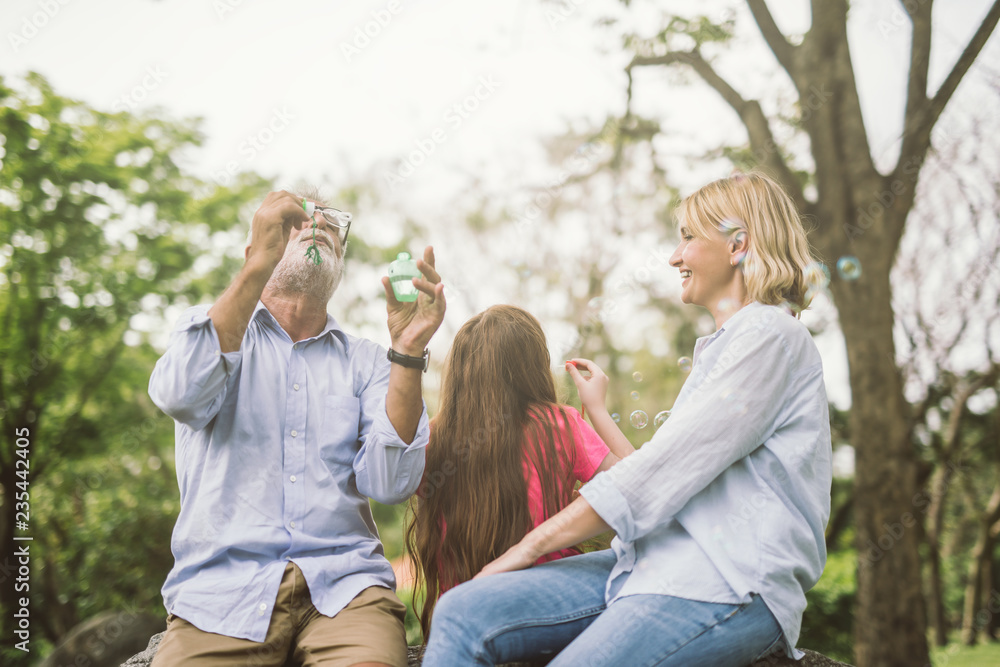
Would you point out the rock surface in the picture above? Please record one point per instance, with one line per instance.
(104, 640)
(415, 655)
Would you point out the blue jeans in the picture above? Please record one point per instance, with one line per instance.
(557, 609)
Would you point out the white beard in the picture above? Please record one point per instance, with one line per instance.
(296, 273)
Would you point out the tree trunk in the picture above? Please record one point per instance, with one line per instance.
(940, 483)
(938, 617)
(890, 596)
(978, 591)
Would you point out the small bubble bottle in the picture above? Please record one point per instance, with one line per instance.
(401, 275)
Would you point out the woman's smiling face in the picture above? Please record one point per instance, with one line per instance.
(706, 268)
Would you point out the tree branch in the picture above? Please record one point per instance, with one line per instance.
(921, 117)
(762, 141)
(920, 56)
(783, 50)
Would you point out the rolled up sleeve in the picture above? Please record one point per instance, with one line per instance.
(729, 413)
(387, 469)
(189, 381)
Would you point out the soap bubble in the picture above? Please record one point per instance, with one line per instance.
(660, 418)
(685, 364)
(615, 417)
(849, 267)
(727, 306)
(637, 376)
(817, 277)
(730, 225)
(792, 309)
(634, 395)
(639, 419)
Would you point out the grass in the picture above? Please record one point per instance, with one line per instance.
(956, 654)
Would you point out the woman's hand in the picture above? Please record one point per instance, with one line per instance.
(518, 557)
(593, 390)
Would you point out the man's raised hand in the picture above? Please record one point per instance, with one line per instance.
(272, 227)
(412, 324)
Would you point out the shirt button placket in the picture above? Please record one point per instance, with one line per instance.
(296, 413)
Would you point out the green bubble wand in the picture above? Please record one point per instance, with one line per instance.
(312, 252)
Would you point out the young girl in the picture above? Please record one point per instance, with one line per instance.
(720, 517)
(503, 455)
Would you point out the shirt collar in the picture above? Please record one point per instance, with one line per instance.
(332, 327)
(730, 324)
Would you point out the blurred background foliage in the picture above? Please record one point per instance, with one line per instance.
(106, 236)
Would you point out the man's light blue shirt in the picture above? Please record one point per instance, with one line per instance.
(279, 446)
(732, 494)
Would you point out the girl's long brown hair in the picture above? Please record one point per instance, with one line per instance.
(497, 410)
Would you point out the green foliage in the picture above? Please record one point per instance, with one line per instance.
(827, 625)
(101, 228)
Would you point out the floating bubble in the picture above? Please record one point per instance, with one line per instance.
(639, 419)
(637, 376)
(727, 306)
(792, 309)
(849, 267)
(660, 418)
(729, 225)
(684, 363)
(615, 417)
(634, 395)
(817, 277)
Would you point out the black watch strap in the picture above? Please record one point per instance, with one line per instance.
(410, 362)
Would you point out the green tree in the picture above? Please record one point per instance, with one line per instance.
(96, 214)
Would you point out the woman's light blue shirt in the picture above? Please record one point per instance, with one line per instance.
(732, 494)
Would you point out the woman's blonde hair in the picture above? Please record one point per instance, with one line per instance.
(778, 267)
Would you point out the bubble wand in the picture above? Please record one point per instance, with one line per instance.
(312, 252)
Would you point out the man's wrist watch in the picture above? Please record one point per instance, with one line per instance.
(410, 362)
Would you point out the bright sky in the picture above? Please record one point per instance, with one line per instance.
(332, 91)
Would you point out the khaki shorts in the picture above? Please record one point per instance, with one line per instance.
(368, 629)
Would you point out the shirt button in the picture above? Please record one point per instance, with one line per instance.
(292, 524)
(294, 433)
(295, 387)
(295, 347)
(292, 478)
(262, 606)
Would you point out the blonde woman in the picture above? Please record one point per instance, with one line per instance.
(720, 518)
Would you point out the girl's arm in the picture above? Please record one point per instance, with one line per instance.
(575, 523)
(593, 391)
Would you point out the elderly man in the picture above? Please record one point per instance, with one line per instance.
(285, 426)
